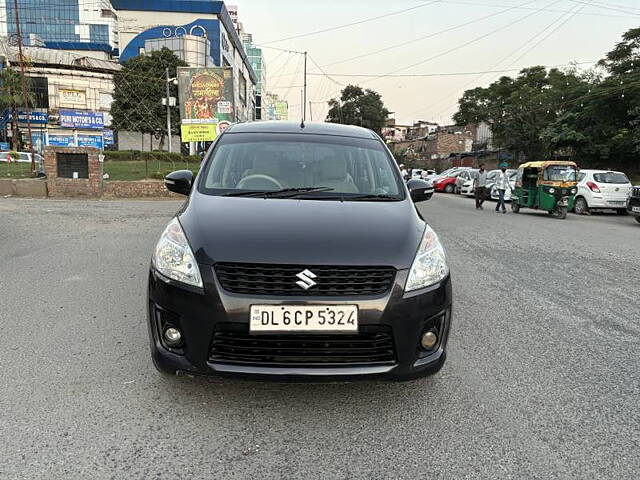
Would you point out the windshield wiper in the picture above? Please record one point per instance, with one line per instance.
(283, 193)
(369, 196)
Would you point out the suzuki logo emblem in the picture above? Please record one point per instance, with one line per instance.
(306, 279)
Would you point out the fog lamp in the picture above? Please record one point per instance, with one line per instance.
(429, 340)
(172, 336)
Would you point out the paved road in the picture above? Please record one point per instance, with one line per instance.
(542, 381)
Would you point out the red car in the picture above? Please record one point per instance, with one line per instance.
(446, 184)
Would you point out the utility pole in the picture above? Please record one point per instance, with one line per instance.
(25, 95)
(304, 95)
(168, 112)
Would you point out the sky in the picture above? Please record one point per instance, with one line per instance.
(424, 37)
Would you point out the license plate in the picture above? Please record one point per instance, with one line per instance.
(635, 209)
(311, 318)
(616, 203)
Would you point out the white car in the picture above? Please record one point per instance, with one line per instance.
(416, 173)
(23, 157)
(468, 188)
(602, 189)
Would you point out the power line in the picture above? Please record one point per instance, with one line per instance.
(446, 74)
(431, 35)
(473, 4)
(605, 7)
(346, 25)
(451, 50)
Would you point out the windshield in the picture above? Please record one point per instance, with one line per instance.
(610, 177)
(560, 173)
(274, 162)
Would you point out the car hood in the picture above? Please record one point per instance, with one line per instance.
(301, 232)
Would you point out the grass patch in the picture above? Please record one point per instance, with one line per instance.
(140, 170)
(15, 170)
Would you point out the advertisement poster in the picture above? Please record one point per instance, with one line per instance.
(205, 94)
(200, 132)
(90, 141)
(107, 135)
(81, 119)
(60, 140)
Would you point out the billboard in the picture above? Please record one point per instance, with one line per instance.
(70, 97)
(199, 132)
(205, 94)
(81, 119)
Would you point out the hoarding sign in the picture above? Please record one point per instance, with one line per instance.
(35, 118)
(61, 140)
(4, 146)
(81, 119)
(107, 135)
(206, 94)
(72, 97)
(90, 141)
(199, 132)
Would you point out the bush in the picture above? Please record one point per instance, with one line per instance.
(135, 155)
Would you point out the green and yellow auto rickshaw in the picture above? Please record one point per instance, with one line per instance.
(549, 186)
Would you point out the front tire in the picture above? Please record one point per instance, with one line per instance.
(638, 219)
(581, 206)
(560, 212)
(448, 188)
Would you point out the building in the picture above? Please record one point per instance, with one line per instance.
(447, 141)
(73, 95)
(256, 59)
(73, 25)
(421, 129)
(200, 31)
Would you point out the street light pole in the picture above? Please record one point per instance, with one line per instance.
(304, 95)
(168, 113)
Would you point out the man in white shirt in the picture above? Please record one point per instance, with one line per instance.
(502, 185)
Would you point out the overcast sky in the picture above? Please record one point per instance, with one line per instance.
(498, 35)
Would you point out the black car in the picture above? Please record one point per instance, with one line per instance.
(633, 206)
(299, 254)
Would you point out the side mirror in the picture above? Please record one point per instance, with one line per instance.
(179, 181)
(420, 190)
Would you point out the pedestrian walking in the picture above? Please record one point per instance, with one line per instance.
(480, 187)
(502, 185)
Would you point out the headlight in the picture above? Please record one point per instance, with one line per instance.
(573, 191)
(430, 264)
(552, 190)
(173, 257)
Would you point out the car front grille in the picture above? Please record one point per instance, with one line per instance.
(636, 192)
(232, 343)
(264, 279)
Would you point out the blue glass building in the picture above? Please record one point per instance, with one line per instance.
(63, 24)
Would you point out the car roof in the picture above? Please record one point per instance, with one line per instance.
(586, 170)
(546, 163)
(313, 128)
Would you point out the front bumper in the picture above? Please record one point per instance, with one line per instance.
(633, 206)
(199, 313)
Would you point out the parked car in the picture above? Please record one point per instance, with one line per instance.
(465, 176)
(633, 204)
(416, 173)
(22, 157)
(446, 184)
(293, 259)
(602, 189)
(428, 174)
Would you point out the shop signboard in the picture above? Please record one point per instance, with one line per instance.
(81, 119)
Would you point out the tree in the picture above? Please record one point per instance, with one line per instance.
(11, 96)
(138, 92)
(358, 107)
